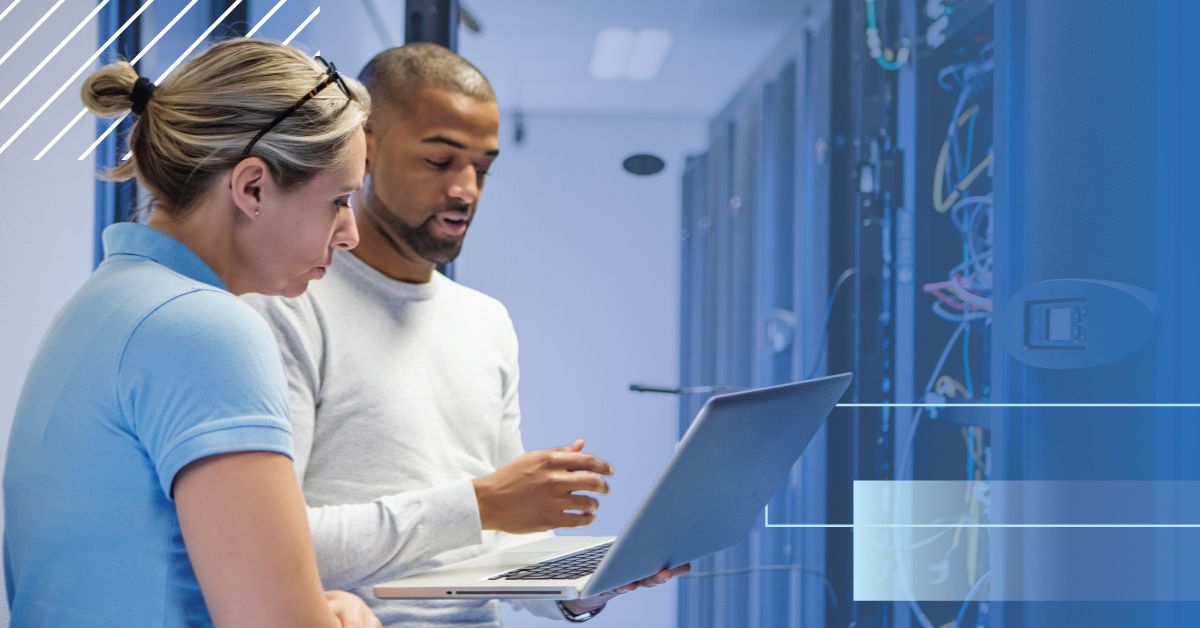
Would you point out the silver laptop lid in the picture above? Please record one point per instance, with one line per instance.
(731, 461)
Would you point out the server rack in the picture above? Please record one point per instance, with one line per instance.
(1023, 154)
(754, 205)
(789, 277)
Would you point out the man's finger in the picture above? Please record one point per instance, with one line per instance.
(575, 461)
(652, 581)
(569, 520)
(590, 482)
(678, 571)
(575, 446)
(582, 503)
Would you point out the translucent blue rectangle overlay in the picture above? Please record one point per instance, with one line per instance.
(1027, 541)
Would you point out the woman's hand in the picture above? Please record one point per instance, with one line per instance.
(351, 611)
(592, 603)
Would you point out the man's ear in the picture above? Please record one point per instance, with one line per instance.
(370, 135)
(247, 181)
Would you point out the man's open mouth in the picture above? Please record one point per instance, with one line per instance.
(452, 223)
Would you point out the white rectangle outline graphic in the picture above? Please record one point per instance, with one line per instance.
(767, 520)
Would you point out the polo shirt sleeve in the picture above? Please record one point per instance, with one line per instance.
(201, 375)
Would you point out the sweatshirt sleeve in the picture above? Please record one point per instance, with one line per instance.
(365, 544)
(360, 544)
(510, 422)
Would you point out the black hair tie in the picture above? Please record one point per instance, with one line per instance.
(140, 95)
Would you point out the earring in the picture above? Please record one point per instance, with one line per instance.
(256, 212)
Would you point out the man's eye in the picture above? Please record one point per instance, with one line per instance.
(342, 202)
(440, 164)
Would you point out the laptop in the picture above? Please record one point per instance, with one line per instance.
(735, 455)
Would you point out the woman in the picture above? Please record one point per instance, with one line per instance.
(149, 480)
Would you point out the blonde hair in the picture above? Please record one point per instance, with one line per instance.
(197, 123)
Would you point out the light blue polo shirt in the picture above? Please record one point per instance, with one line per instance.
(150, 366)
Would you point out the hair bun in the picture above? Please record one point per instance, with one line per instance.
(140, 95)
(107, 93)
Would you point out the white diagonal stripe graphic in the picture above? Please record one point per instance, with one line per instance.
(30, 32)
(10, 8)
(108, 43)
(301, 27)
(202, 37)
(265, 18)
(57, 48)
(162, 76)
(161, 33)
(103, 135)
(54, 141)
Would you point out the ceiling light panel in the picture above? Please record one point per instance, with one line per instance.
(610, 57)
(650, 48)
(621, 53)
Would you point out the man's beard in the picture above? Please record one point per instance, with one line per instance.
(425, 244)
(420, 238)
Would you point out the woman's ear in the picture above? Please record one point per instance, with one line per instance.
(247, 181)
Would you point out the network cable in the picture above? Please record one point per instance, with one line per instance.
(849, 272)
(885, 57)
(965, 297)
(962, 612)
(902, 467)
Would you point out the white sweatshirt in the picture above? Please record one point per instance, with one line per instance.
(400, 395)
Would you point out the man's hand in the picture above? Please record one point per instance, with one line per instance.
(592, 603)
(530, 493)
(351, 611)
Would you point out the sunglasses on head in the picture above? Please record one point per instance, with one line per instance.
(333, 77)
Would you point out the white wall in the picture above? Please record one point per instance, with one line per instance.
(48, 205)
(586, 258)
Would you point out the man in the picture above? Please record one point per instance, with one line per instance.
(403, 383)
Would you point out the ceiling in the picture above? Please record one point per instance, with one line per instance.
(537, 52)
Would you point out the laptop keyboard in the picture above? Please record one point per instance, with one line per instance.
(567, 567)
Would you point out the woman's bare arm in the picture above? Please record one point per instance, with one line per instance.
(246, 531)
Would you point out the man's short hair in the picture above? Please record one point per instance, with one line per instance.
(396, 75)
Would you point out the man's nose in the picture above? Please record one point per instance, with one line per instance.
(465, 186)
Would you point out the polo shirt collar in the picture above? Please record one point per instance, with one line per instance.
(127, 238)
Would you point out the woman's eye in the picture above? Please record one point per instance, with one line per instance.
(342, 202)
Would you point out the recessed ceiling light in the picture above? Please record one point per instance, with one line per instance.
(621, 53)
(650, 48)
(611, 54)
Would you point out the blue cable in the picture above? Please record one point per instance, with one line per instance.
(970, 141)
(970, 455)
(967, 361)
(962, 612)
(883, 63)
